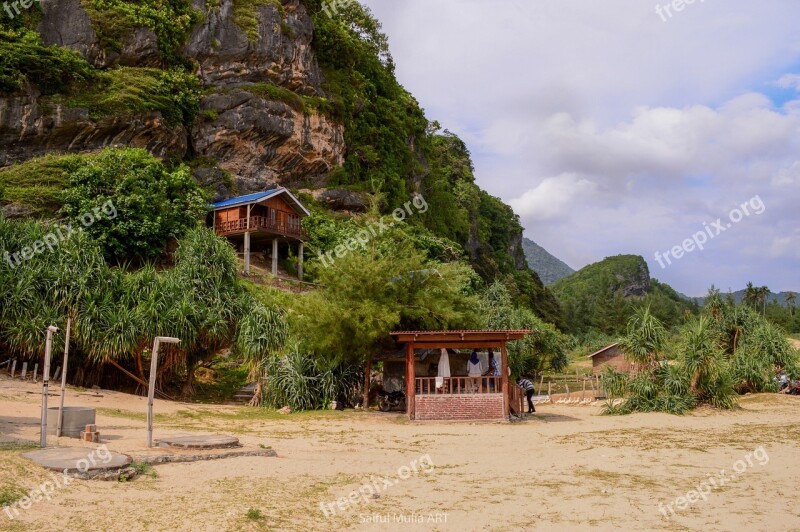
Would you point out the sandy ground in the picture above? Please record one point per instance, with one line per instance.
(568, 469)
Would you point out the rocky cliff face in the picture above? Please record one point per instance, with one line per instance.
(31, 126)
(259, 140)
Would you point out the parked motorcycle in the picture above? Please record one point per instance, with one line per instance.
(389, 400)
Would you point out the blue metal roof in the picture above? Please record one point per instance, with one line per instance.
(249, 198)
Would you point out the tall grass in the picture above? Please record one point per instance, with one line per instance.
(303, 382)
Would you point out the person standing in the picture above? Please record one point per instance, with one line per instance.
(474, 371)
(527, 385)
(493, 371)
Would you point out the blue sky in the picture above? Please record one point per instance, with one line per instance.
(610, 130)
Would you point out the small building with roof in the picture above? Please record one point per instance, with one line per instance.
(269, 222)
(437, 385)
(610, 356)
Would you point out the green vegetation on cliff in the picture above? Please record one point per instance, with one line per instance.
(116, 20)
(36, 185)
(25, 60)
(131, 91)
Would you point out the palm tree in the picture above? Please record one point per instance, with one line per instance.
(750, 295)
(762, 294)
(645, 339)
(790, 299)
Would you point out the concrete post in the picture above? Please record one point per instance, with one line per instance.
(63, 380)
(247, 252)
(300, 260)
(275, 257)
(46, 382)
(151, 389)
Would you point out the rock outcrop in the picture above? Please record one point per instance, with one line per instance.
(260, 141)
(31, 126)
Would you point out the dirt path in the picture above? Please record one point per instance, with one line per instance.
(569, 469)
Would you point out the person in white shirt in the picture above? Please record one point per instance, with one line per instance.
(474, 370)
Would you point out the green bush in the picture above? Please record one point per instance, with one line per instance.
(304, 382)
(300, 103)
(246, 16)
(171, 21)
(153, 203)
(38, 183)
(129, 91)
(25, 59)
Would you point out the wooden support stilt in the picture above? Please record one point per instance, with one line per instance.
(57, 373)
(13, 368)
(541, 383)
(583, 394)
(300, 260)
(24, 372)
(35, 371)
(275, 257)
(550, 390)
(247, 252)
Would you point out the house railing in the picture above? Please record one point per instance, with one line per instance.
(286, 225)
(458, 385)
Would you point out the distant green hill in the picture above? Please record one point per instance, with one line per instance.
(549, 267)
(602, 296)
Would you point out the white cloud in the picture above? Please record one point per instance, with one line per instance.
(789, 81)
(610, 131)
(553, 198)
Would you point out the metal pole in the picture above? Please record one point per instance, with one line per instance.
(151, 389)
(46, 382)
(63, 380)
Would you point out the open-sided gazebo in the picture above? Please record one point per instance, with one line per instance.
(459, 397)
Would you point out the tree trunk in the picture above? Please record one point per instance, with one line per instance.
(367, 379)
(140, 365)
(256, 400)
(188, 388)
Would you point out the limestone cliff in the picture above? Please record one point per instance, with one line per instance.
(259, 139)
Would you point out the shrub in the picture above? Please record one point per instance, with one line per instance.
(25, 59)
(246, 15)
(170, 20)
(38, 183)
(304, 382)
(152, 202)
(128, 91)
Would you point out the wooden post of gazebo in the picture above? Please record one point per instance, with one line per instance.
(410, 378)
(504, 378)
(300, 260)
(275, 257)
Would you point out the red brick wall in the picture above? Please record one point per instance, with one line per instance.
(459, 407)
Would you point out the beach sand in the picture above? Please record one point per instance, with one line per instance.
(568, 468)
